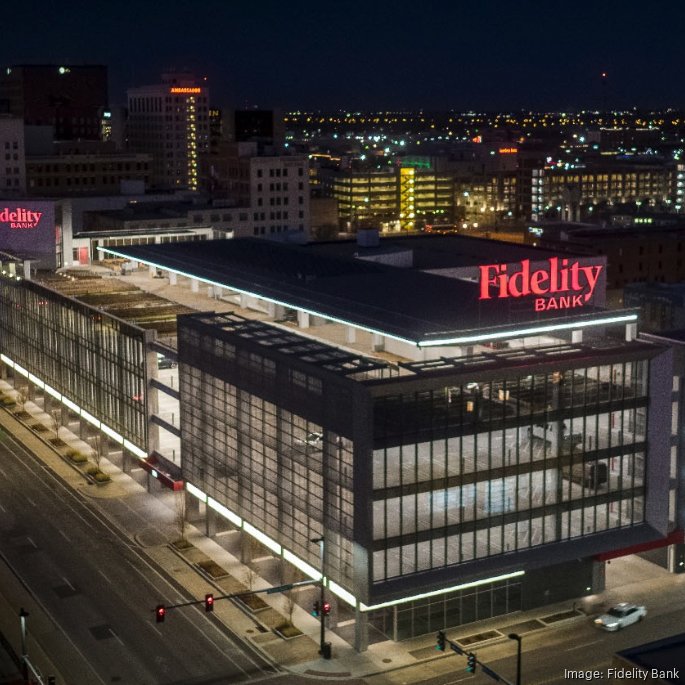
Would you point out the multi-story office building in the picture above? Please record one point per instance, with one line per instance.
(484, 465)
(85, 174)
(170, 121)
(512, 434)
(406, 199)
(635, 254)
(274, 187)
(12, 160)
(70, 98)
(573, 194)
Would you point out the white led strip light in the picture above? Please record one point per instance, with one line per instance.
(141, 454)
(469, 339)
(316, 575)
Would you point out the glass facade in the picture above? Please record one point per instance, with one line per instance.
(486, 467)
(272, 463)
(95, 360)
(448, 473)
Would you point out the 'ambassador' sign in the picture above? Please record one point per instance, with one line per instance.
(558, 286)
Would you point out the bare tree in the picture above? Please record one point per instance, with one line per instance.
(22, 398)
(57, 420)
(97, 451)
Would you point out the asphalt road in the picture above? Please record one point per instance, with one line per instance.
(97, 587)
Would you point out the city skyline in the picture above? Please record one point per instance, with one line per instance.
(492, 56)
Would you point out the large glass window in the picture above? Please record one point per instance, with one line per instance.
(485, 467)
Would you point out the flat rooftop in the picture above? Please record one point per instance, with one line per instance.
(404, 303)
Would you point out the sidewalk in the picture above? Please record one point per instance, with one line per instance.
(151, 520)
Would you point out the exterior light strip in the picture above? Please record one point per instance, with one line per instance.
(528, 331)
(314, 574)
(141, 454)
(196, 492)
(454, 588)
(264, 539)
(221, 509)
(261, 297)
(302, 565)
(418, 343)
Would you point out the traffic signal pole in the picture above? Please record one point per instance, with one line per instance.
(471, 659)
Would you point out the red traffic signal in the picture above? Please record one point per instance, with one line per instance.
(326, 608)
(209, 602)
(160, 613)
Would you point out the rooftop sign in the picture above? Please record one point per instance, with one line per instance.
(564, 284)
(185, 90)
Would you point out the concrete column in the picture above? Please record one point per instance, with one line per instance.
(302, 319)
(244, 300)
(173, 277)
(194, 285)
(361, 630)
(211, 523)
(192, 505)
(577, 336)
(246, 547)
(351, 334)
(218, 292)
(152, 270)
(27, 270)
(377, 343)
(631, 331)
(126, 460)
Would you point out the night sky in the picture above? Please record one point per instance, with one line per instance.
(385, 54)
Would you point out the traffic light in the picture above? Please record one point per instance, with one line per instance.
(209, 602)
(441, 641)
(325, 609)
(160, 613)
(471, 662)
(316, 609)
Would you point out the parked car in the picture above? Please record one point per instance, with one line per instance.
(165, 363)
(311, 440)
(620, 616)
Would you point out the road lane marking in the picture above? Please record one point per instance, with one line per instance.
(4, 511)
(117, 637)
(32, 542)
(64, 535)
(28, 499)
(587, 644)
(68, 583)
(104, 576)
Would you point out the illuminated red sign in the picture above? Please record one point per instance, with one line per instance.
(563, 286)
(20, 217)
(185, 90)
(508, 150)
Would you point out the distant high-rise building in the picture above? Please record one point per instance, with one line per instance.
(170, 121)
(69, 98)
(12, 161)
(262, 126)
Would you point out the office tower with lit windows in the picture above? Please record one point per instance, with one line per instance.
(70, 98)
(170, 121)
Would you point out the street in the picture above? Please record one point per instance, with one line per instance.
(99, 589)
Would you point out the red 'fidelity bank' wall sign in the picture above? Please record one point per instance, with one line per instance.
(563, 284)
(19, 217)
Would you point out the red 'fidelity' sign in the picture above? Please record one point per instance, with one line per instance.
(20, 217)
(559, 286)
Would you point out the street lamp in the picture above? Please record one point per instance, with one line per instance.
(514, 636)
(324, 647)
(23, 615)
